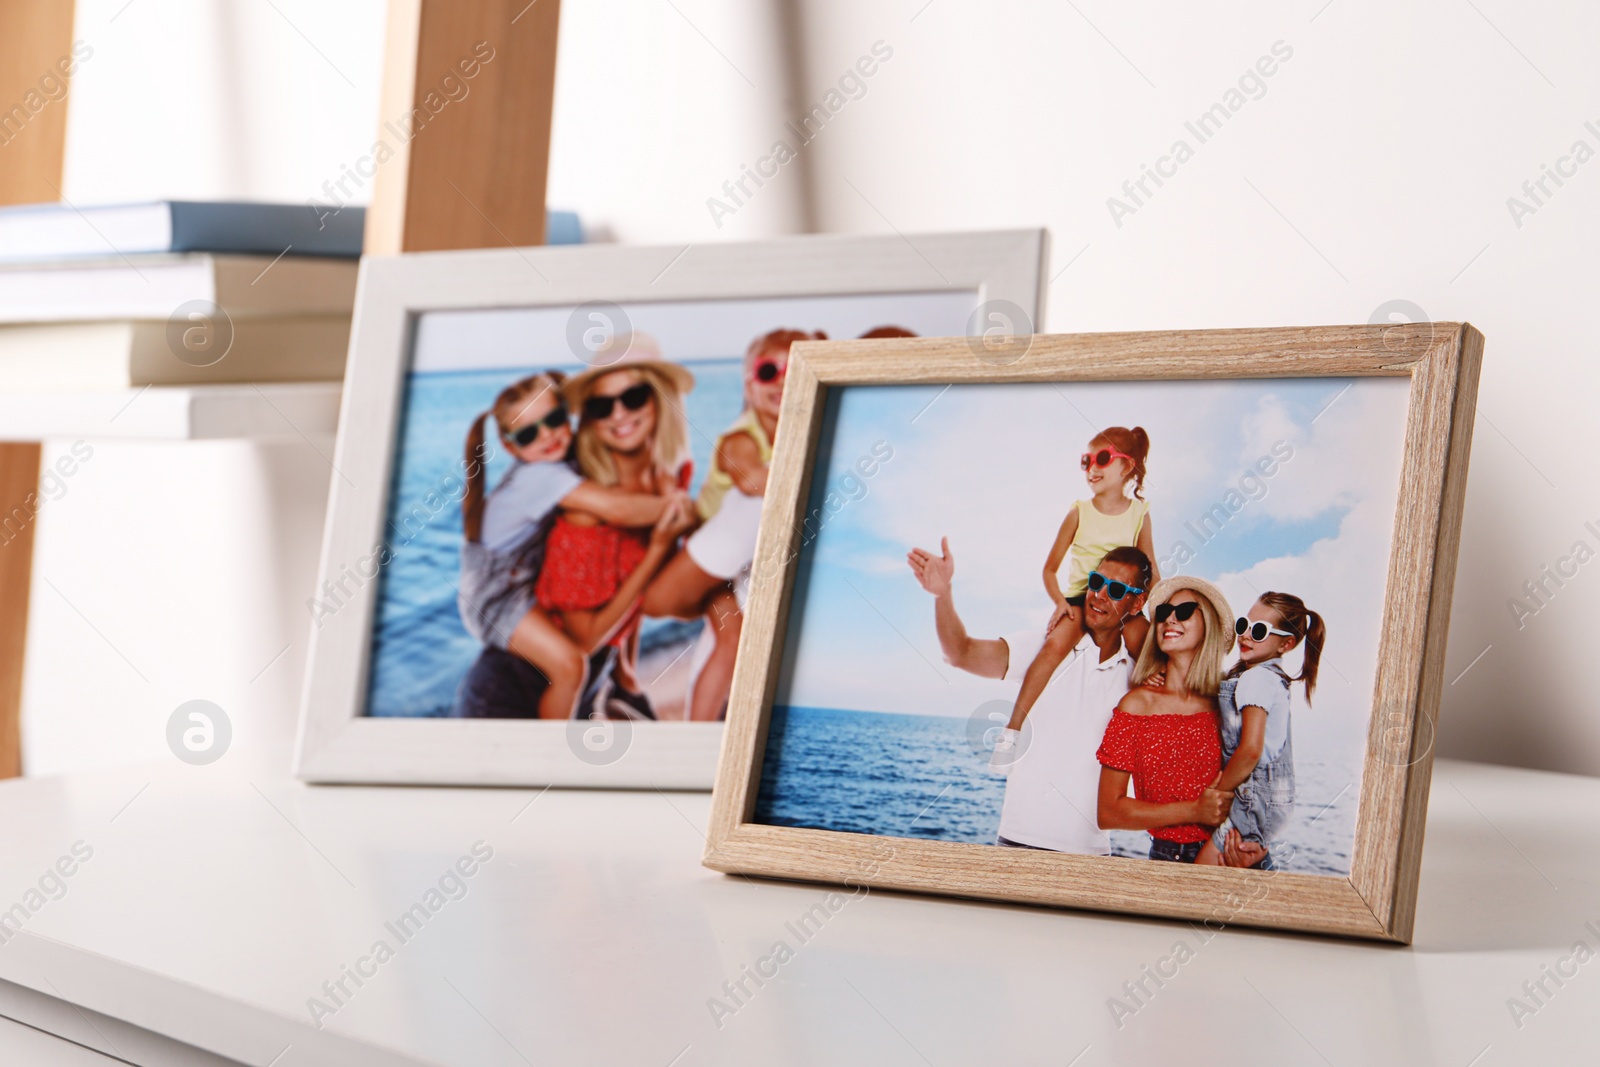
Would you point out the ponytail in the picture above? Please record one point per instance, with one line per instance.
(472, 500)
(1316, 633)
(1308, 630)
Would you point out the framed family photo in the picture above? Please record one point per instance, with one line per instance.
(548, 484)
(1149, 622)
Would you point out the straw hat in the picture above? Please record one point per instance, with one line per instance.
(624, 351)
(1166, 587)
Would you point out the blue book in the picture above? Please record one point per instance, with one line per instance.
(562, 228)
(61, 231)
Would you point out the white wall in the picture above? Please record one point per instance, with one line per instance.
(1376, 167)
(167, 573)
(656, 106)
(217, 99)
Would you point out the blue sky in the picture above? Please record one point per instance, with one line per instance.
(995, 468)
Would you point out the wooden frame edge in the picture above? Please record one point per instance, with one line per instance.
(1387, 877)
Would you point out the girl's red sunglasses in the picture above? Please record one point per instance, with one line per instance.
(1103, 458)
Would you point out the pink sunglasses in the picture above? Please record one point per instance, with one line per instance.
(1103, 458)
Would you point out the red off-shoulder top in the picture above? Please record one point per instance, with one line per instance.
(1172, 758)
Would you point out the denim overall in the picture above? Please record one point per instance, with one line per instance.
(1263, 802)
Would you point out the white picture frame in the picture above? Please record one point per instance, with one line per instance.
(336, 741)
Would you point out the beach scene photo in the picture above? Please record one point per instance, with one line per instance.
(1135, 619)
(575, 498)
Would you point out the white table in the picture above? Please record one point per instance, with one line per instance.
(214, 907)
(24, 1044)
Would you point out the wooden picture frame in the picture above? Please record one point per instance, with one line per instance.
(1378, 898)
(337, 741)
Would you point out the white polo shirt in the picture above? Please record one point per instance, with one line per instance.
(1052, 791)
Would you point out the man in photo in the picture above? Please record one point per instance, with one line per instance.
(1053, 775)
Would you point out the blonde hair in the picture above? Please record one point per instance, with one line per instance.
(1205, 673)
(513, 400)
(669, 446)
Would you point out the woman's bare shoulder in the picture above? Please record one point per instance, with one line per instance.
(1140, 700)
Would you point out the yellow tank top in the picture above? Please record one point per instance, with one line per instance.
(1098, 534)
(719, 481)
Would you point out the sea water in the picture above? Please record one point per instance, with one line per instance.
(420, 650)
(898, 775)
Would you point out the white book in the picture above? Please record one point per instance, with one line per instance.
(55, 357)
(56, 231)
(264, 411)
(155, 287)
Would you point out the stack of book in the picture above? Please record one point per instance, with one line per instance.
(174, 293)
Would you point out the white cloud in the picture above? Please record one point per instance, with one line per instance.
(1349, 453)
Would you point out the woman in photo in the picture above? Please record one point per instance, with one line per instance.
(701, 581)
(1164, 734)
(632, 435)
(505, 533)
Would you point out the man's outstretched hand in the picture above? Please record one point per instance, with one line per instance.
(933, 572)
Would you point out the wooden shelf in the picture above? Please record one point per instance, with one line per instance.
(175, 413)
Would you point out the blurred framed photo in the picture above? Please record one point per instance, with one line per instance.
(1148, 623)
(548, 485)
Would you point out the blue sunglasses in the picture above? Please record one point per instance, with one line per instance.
(1114, 589)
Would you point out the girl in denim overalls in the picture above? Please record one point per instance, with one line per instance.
(1254, 704)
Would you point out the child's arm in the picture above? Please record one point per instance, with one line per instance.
(618, 507)
(1058, 552)
(1252, 738)
(739, 455)
(1146, 543)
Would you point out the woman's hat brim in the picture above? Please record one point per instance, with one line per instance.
(576, 389)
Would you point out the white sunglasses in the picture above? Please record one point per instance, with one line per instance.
(1258, 630)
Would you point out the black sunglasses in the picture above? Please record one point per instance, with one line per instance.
(1114, 589)
(1182, 612)
(523, 436)
(633, 398)
(769, 371)
(1257, 630)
